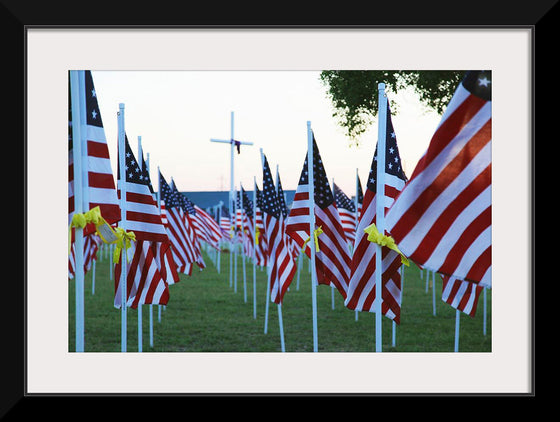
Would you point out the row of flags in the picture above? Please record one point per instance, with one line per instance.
(168, 228)
(440, 218)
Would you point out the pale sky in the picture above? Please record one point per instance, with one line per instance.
(177, 112)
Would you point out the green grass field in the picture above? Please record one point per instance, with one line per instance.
(206, 314)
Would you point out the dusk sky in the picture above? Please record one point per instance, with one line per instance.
(177, 112)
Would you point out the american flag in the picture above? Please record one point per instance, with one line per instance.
(179, 231)
(347, 212)
(162, 250)
(142, 213)
(193, 224)
(248, 230)
(98, 185)
(225, 222)
(261, 251)
(145, 284)
(292, 245)
(460, 294)
(361, 291)
(332, 260)
(211, 229)
(280, 261)
(442, 218)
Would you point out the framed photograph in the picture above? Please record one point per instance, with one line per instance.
(50, 368)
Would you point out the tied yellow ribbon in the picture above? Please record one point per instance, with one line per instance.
(316, 234)
(81, 220)
(257, 234)
(375, 236)
(123, 241)
(103, 230)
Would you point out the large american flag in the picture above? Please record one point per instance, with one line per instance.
(347, 212)
(98, 185)
(442, 218)
(361, 290)
(280, 261)
(332, 260)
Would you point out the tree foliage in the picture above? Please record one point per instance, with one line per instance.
(354, 93)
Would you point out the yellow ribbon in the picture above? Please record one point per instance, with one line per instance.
(103, 230)
(123, 241)
(257, 234)
(81, 220)
(375, 236)
(316, 234)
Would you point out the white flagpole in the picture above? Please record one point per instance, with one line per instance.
(484, 311)
(356, 220)
(93, 277)
(111, 249)
(140, 160)
(298, 269)
(77, 85)
(457, 315)
(267, 274)
(123, 285)
(219, 213)
(380, 209)
(255, 248)
(332, 285)
(151, 323)
(159, 208)
(280, 323)
(242, 244)
(311, 185)
(434, 293)
(235, 245)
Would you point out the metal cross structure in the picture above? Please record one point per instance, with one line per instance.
(233, 143)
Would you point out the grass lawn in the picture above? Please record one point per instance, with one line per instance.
(206, 314)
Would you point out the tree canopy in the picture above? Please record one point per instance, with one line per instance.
(354, 93)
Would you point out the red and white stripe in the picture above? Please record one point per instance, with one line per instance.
(442, 219)
(332, 260)
(280, 259)
(261, 247)
(460, 294)
(145, 285)
(208, 226)
(348, 221)
(91, 246)
(361, 295)
(180, 235)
